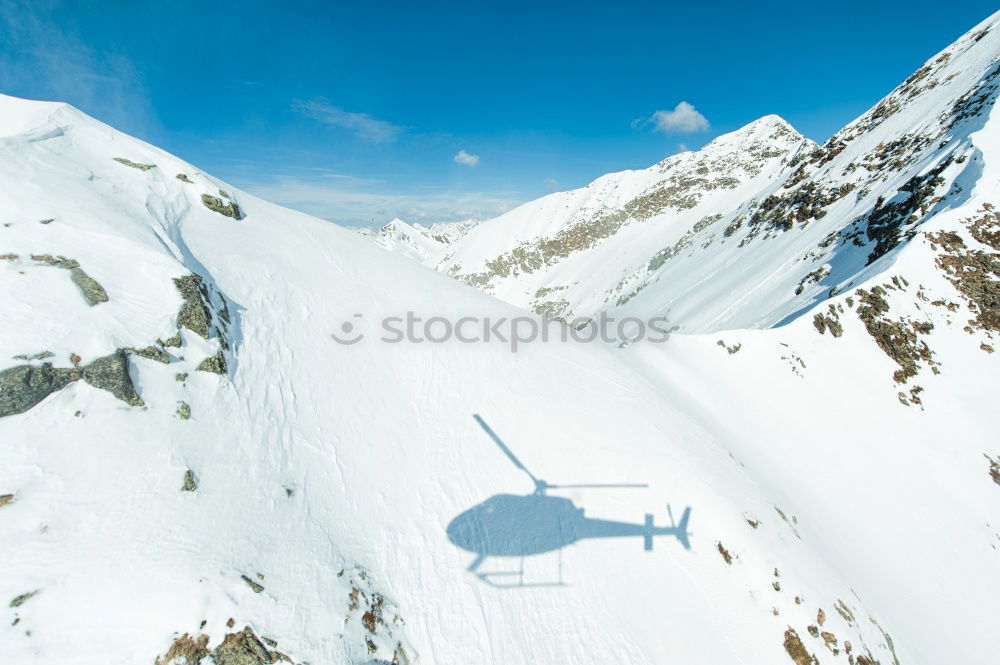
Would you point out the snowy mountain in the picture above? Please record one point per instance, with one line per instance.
(416, 241)
(194, 470)
(760, 224)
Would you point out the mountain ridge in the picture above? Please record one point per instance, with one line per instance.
(286, 496)
(536, 256)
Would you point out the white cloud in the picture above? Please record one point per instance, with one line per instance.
(682, 147)
(684, 119)
(552, 184)
(465, 159)
(361, 124)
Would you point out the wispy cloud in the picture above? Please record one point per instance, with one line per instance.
(551, 184)
(41, 60)
(465, 159)
(360, 124)
(684, 119)
(358, 201)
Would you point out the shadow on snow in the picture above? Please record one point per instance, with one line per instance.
(509, 525)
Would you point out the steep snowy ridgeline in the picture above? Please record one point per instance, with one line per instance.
(759, 224)
(416, 241)
(185, 451)
(561, 254)
(449, 232)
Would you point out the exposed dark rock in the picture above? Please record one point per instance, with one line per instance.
(41, 355)
(807, 202)
(730, 349)
(215, 364)
(257, 588)
(90, 288)
(831, 322)
(135, 165)
(244, 648)
(25, 386)
(190, 482)
(230, 209)
(553, 309)
(172, 342)
(994, 469)
(886, 221)
(986, 228)
(194, 314)
(974, 272)
(183, 410)
(813, 277)
(844, 612)
(111, 373)
(796, 650)
(23, 598)
(661, 257)
(900, 339)
(239, 648)
(6, 499)
(183, 178)
(181, 377)
(153, 353)
(185, 650)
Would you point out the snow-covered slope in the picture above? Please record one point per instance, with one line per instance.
(759, 224)
(184, 450)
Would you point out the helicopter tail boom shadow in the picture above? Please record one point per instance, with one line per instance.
(681, 530)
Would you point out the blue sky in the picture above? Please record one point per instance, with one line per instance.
(436, 111)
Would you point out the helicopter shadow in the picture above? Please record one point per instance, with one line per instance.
(511, 525)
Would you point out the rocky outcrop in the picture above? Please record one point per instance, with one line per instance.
(153, 353)
(204, 311)
(215, 364)
(227, 208)
(135, 165)
(90, 288)
(24, 386)
(194, 314)
(240, 648)
(111, 373)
